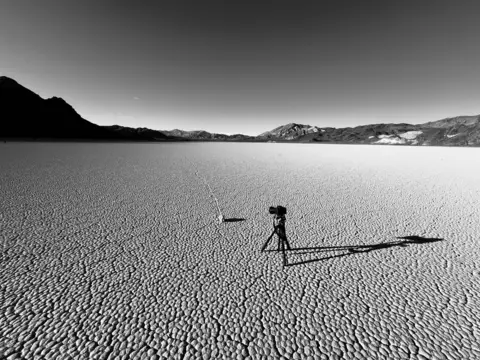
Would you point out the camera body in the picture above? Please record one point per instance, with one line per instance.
(277, 210)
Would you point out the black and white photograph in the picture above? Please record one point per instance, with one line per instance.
(227, 179)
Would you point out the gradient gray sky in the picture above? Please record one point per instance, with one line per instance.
(247, 66)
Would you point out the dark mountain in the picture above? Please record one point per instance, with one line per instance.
(25, 115)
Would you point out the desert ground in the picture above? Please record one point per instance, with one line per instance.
(114, 251)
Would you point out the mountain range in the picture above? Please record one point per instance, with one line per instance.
(25, 115)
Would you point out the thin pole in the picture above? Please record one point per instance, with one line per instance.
(211, 193)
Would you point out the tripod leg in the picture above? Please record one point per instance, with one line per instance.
(284, 253)
(268, 240)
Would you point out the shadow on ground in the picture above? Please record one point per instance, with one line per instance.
(234, 220)
(322, 253)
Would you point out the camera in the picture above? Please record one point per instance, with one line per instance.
(277, 210)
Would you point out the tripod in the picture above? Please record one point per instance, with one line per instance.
(279, 230)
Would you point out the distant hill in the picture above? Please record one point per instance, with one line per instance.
(140, 133)
(206, 136)
(290, 131)
(454, 121)
(25, 115)
(457, 131)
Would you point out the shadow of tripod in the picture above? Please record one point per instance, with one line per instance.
(323, 253)
(279, 230)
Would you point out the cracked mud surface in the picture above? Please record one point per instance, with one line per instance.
(114, 251)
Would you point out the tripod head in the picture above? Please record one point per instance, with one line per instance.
(278, 210)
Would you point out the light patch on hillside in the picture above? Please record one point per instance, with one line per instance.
(410, 135)
(390, 140)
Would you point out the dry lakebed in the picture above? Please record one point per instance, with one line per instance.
(115, 251)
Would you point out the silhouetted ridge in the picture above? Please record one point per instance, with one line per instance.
(26, 115)
(6, 81)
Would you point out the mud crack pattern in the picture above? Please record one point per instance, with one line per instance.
(114, 251)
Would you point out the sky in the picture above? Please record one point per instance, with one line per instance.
(247, 66)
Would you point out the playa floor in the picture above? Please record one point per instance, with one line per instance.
(114, 251)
